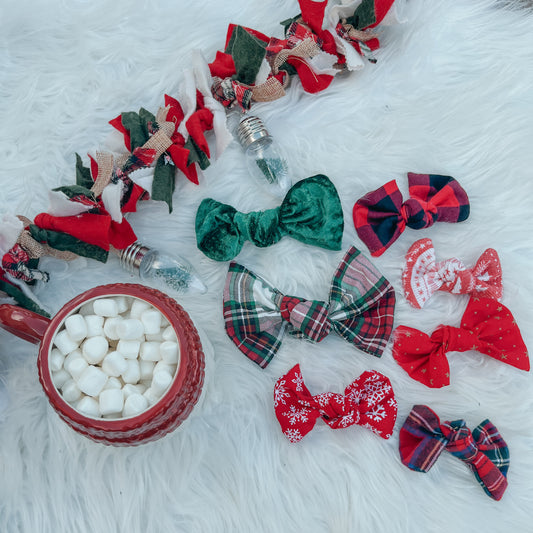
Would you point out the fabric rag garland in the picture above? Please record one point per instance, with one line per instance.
(86, 219)
(361, 310)
(487, 326)
(423, 275)
(381, 216)
(311, 212)
(368, 402)
(423, 437)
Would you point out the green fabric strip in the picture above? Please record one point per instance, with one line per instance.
(196, 155)
(364, 15)
(134, 124)
(75, 190)
(164, 182)
(83, 174)
(247, 52)
(21, 298)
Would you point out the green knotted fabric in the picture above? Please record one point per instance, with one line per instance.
(311, 213)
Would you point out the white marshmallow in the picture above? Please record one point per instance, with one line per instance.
(88, 406)
(60, 377)
(130, 389)
(94, 349)
(132, 373)
(110, 327)
(55, 360)
(95, 325)
(86, 309)
(169, 351)
(161, 381)
(138, 307)
(151, 395)
(154, 337)
(129, 349)
(151, 319)
(75, 365)
(122, 304)
(70, 391)
(76, 327)
(111, 401)
(161, 366)
(130, 328)
(169, 334)
(150, 351)
(113, 383)
(114, 364)
(134, 404)
(164, 321)
(147, 369)
(105, 307)
(65, 343)
(92, 381)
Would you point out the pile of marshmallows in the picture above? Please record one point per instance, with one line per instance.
(114, 358)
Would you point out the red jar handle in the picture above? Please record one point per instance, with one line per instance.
(23, 323)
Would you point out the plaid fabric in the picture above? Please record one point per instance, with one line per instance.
(423, 438)
(361, 310)
(381, 215)
(368, 401)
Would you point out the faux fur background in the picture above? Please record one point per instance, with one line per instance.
(450, 94)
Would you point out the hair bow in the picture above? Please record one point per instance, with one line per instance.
(311, 212)
(360, 309)
(487, 326)
(368, 401)
(381, 215)
(423, 276)
(423, 438)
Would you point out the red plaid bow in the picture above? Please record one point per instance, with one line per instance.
(368, 401)
(381, 216)
(423, 276)
(487, 326)
(423, 438)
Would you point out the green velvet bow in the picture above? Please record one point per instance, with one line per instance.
(311, 212)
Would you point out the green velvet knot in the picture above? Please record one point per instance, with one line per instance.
(311, 213)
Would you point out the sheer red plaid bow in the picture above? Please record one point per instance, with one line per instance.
(368, 401)
(423, 275)
(487, 326)
(381, 216)
(423, 438)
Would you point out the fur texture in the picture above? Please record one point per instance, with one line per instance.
(450, 94)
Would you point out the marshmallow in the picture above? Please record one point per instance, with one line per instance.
(88, 406)
(130, 389)
(94, 349)
(92, 381)
(147, 369)
(114, 364)
(151, 395)
(105, 307)
(110, 327)
(95, 325)
(130, 328)
(86, 309)
(150, 351)
(161, 381)
(162, 366)
(60, 377)
(75, 364)
(76, 327)
(154, 337)
(164, 321)
(134, 404)
(70, 391)
(111, 401)
(55, 360)
(132, 373)
(169, 334)
(169, 351)
(138, 307)
(129, 349)
(65, 343)
(122, 304)
(113, 383)
(151, 319)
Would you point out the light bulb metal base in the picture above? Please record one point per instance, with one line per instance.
(250, 130)
(132, 256)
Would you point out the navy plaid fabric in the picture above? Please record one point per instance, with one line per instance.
(360, 309)
(423, 438)
(381, 216)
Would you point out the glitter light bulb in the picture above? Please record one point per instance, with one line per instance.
(164, 271)
(264, 156)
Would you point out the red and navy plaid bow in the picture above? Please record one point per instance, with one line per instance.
(368, 401)
(381, 215)
(423, 438)
(360, 309)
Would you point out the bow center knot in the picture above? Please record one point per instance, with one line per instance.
(309, 318)
(455, 339)
(418, 214)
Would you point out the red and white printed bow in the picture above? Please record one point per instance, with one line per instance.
(368, 401)
(423, 275)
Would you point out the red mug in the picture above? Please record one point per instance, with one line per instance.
(155, 422)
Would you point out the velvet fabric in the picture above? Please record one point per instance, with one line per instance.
(311, 212)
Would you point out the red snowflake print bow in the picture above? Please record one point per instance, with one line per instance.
(487, 326)
(368, 401)
(423, 275)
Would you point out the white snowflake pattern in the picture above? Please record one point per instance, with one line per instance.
(293, 435)
(348, 420)
(323, 398)
(372, 428)
(377, 413)
(296, 415)
(356, 395)
(392, 402)
(298, 381)
(375, 390)
(280, 393)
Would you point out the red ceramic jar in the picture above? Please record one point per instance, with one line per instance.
(165, 415)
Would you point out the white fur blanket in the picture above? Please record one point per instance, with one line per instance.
(451, 94)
